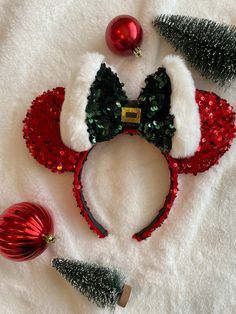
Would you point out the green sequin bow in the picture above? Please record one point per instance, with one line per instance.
(107, 98)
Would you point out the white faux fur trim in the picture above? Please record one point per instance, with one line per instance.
(184, 107)
(73, 127)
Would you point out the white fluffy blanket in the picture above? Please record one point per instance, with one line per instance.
(188, 265)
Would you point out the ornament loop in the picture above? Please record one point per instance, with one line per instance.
(137, 52)
(49, 238)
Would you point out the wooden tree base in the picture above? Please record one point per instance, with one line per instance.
(124, 298)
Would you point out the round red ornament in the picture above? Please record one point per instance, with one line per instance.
(124, 35)
(25, 231)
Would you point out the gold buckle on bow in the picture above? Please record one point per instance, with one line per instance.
(130, 115)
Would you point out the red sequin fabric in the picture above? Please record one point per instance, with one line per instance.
(42, 134)
(217, 133)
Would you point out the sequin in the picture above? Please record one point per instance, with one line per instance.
(216, 134)
(59, 167)
(156, 122)
(41, 131)
(103, 110)
(106, 98)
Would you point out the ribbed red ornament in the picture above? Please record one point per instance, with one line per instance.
(124, 35)
(25, 231)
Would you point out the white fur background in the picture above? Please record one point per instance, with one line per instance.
(188, 265)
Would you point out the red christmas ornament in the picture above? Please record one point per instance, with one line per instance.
(25, 231)
(123, 35)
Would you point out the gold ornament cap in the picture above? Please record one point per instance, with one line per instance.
(49, 238)
(137, 52)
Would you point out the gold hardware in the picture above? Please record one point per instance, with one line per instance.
(137, 52)
(49, 238)
(130, 115)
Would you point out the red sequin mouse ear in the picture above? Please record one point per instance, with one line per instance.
(217, 133)
(42, 133)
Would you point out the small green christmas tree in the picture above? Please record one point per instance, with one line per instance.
(208, 46)
(101, 285)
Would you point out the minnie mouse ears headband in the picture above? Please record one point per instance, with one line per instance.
(192, 128)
